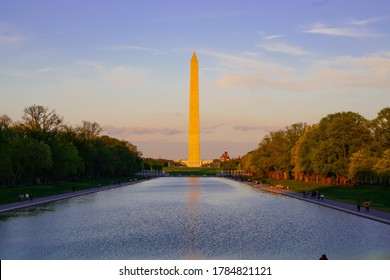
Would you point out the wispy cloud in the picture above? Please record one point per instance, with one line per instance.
(45, 69)
(92, 64)
(381, 54)
(283, 48)
(262, 82)
(367, 21)
(245, 62)
(352, 73)
(212, 69)
(123, 76)
(342, 73)
(10, 35)
(341, 31)
(136, 48)
(245, 128)
(11, 39)
(211, 129)
(271, 37)
(119, 75)
(137, 130)
(242, 71)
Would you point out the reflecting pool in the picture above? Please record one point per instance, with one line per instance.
(188, 218)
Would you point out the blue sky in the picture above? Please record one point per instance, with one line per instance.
(263, 65)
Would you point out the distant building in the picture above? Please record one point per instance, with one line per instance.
(224, 156)
(203, 163)
(176, 163)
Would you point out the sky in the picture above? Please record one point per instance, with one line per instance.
(263, 65)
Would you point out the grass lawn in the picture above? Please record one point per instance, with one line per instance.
(380, 196)
(10, 194)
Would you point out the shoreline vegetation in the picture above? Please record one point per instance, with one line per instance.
(379, 195)
(42, 149)
(11, 194)
(345, 157)
(342, 149)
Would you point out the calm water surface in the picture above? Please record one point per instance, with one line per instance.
(188, 218)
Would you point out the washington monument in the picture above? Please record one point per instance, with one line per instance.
(193, 127)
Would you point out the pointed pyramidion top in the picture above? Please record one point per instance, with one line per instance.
(194, 56)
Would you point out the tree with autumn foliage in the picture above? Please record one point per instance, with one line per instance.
(342, 148)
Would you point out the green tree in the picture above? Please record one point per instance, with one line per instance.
(273, 157)
(31, 160)
(303, 154)
(382, 167)
(66, 159)
(341, 135)
(361, 166)
(40, 123)
(230, 164)
(381, 128)
(5, 121)
(6, 142)
(247, 162)
(262, 157)
(41, 147)
(86, 142)
(89, 130)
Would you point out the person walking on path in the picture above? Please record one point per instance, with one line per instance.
(358, 205)
(367, 205)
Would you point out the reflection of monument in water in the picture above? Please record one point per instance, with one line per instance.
(193, 126)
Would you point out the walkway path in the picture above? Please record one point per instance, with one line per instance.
(41, 200)
(375, 215)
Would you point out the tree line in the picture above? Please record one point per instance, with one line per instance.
(41, 148)
(343, 148)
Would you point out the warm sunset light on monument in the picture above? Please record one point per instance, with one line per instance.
(193, 127)
(102, 161)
